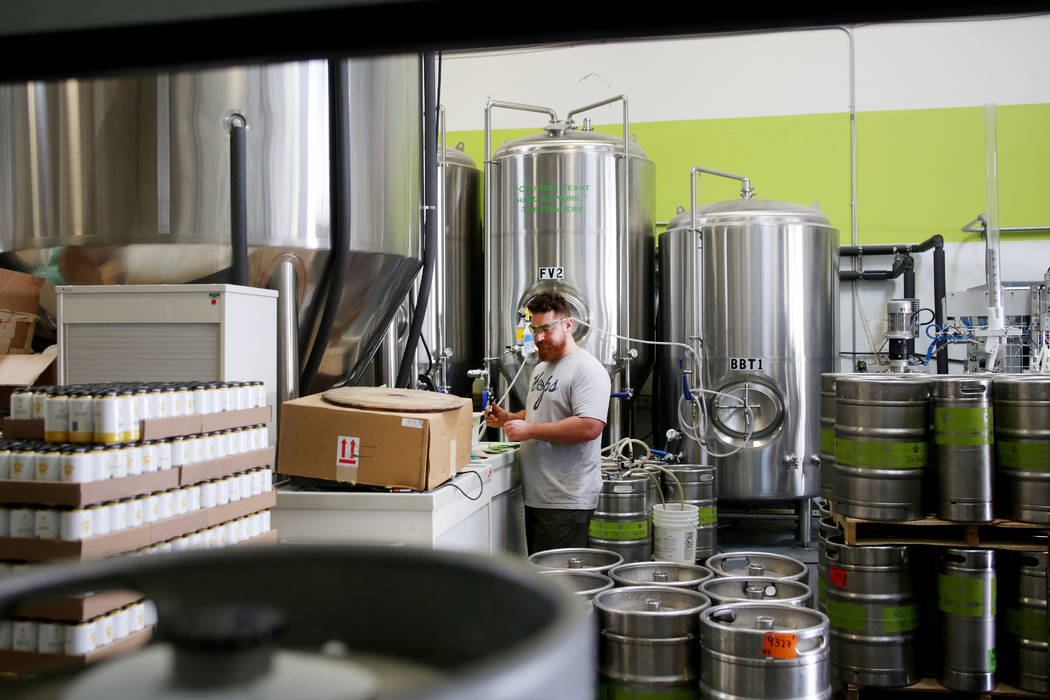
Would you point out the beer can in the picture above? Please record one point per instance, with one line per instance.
(148, 450)
(244, 529)
(40, 402)
(166, 504)
(75, 524)
(136, 511)
(118, 516)
(104, 630)
(107, 418)
(23, 464)
(99, 462)
(193, 494)
(133, 459)
(267, 481)
(99, 519)
(23, 522)
(25, 635)
(181, 503)
(121, 623)
(48, 524)
(232, 533)
(137, 616)
(164, 453)
(150, 508)
(233, 488)
(77, 466)
(5, 462)
(22, 404)
(80, 638)
(49, 465)
(51, 637)
(56, 417)
(118, 461)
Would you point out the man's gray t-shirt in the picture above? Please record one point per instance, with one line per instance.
(557, 475)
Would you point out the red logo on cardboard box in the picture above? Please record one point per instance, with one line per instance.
(347, 451)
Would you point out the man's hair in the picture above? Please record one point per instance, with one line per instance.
(548, 301)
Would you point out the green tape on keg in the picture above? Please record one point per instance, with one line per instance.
(822, 590)
(707, 515)
(827, 440)
(963, 596)
(1026, 624)
(900, 619)
(962, 426)
(992, 665)
(848, 616)
(1023, 455)
(605, 530)
(886, 455)
(612, 691)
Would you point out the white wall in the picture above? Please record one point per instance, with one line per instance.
(913, 65)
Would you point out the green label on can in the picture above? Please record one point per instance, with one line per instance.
(900, 619)
(605, 530)
(886, 455)
(1022, 455)
(848, 616)
(1026, 624)
(707, 515)
(610, 690)
(991, 660)
(827, 440)
(962, 426)
(963, 596)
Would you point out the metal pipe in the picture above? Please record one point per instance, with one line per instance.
(285, 280)
(852, 171)
(746, 191)
(408, 372)
(804, 511)
(238, 200)
(440, 311)
(982, 229)
(936, 241)
(339, 159)
(909, 293)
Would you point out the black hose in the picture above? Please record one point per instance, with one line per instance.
(238, 201)
(899, 266)
(404, 373)
(938, 304)
(854, 251)
(339, 157)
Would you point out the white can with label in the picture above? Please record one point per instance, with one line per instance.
(222, 491)
(244, 436)
(116, 462)
(137, 616)
(48, 524)
(56, 418)
(191, 449)
(165, 548)
(181, 502)
(104, 630)
(142, 405)
(23, 522)
(164, 452)
(182, 401)
(99, 466)
(25, 635)
(136, 511)
(207, 494)
(5, 521)
(107, 418)
(260, 394)
(23, 465)
(208, 539)
(22, 404)
(81, 417)
(166, 403)
(39, 403)
(211, 443)
(177, 448)
(121, 624)
(255, 522)
(267, 479)
(118, 516)
(77, 466)
(220, 445)
(220, 536)
(150, 610)
(51, 638)
(148, 450)
(166, 500)
(49, 465)
(180, 544)
(151, 508)
(244, 529)
(233, 533)
(75, 524)
(80, 638)
(233, 487)
(228, 399)
(153, 402)
(99, 519)
(196, 541)
(200, 450)
(193, 494)
(125, 415)
(133, 458)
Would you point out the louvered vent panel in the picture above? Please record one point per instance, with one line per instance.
(109, 352)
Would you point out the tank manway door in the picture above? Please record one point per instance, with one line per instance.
(730, 412)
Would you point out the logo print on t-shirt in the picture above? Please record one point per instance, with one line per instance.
(543, 386)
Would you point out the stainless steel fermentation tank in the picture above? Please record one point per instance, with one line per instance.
(765, 306)
(127, 181)
(570, 210)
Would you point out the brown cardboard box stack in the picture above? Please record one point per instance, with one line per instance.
(193, 481)
(19, 303)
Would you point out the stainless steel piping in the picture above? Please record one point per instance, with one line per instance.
(285, 280)
(853, 175)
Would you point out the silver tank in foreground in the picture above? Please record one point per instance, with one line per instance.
(127, 181)
(770, 300)
(570, 210)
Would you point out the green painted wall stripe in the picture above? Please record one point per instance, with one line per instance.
(962, 426)
(1022, 455)
(805, 158)
(963, 596)
(886, 455)
(605, 530)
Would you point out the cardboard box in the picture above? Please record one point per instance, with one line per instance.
(18, 371)
(76, 608)
(19, 303)
(411, 450)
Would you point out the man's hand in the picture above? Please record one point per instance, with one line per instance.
(495, 417)
(517, 430)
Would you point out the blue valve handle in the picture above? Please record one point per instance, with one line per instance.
(484, 401)
(620, 395)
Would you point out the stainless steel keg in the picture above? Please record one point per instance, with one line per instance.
(762, 650)
(874, 613)
(966, 592)
(660, 573)
(582, 584)
(650, 641)
(1022, 447)
(766, 589)
(825, 528)
(620, 522)
(758, 564)
(881, 451)
(827, 434)
(701, 490)
(582, 559)
(962, 437)
(1022, 643)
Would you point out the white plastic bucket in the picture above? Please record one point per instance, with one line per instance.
(674, 532)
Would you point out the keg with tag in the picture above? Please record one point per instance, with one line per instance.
(874, 613)
(881, 450)
(764, 650)
(966, 591)
(1022, 447)
(701, 490)
(621, 521)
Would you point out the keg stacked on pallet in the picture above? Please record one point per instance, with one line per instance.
(968, 448)
(94, 471)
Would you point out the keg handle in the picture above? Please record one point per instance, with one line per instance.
(972, 388)
(818, 649)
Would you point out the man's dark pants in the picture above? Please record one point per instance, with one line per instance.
(556, 528)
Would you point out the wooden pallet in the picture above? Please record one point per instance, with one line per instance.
(998, 534)
(930, 686)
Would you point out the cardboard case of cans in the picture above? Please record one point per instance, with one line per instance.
(93, 487)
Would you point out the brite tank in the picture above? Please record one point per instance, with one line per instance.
(769, 320)
(127, 181)
(559, 227)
